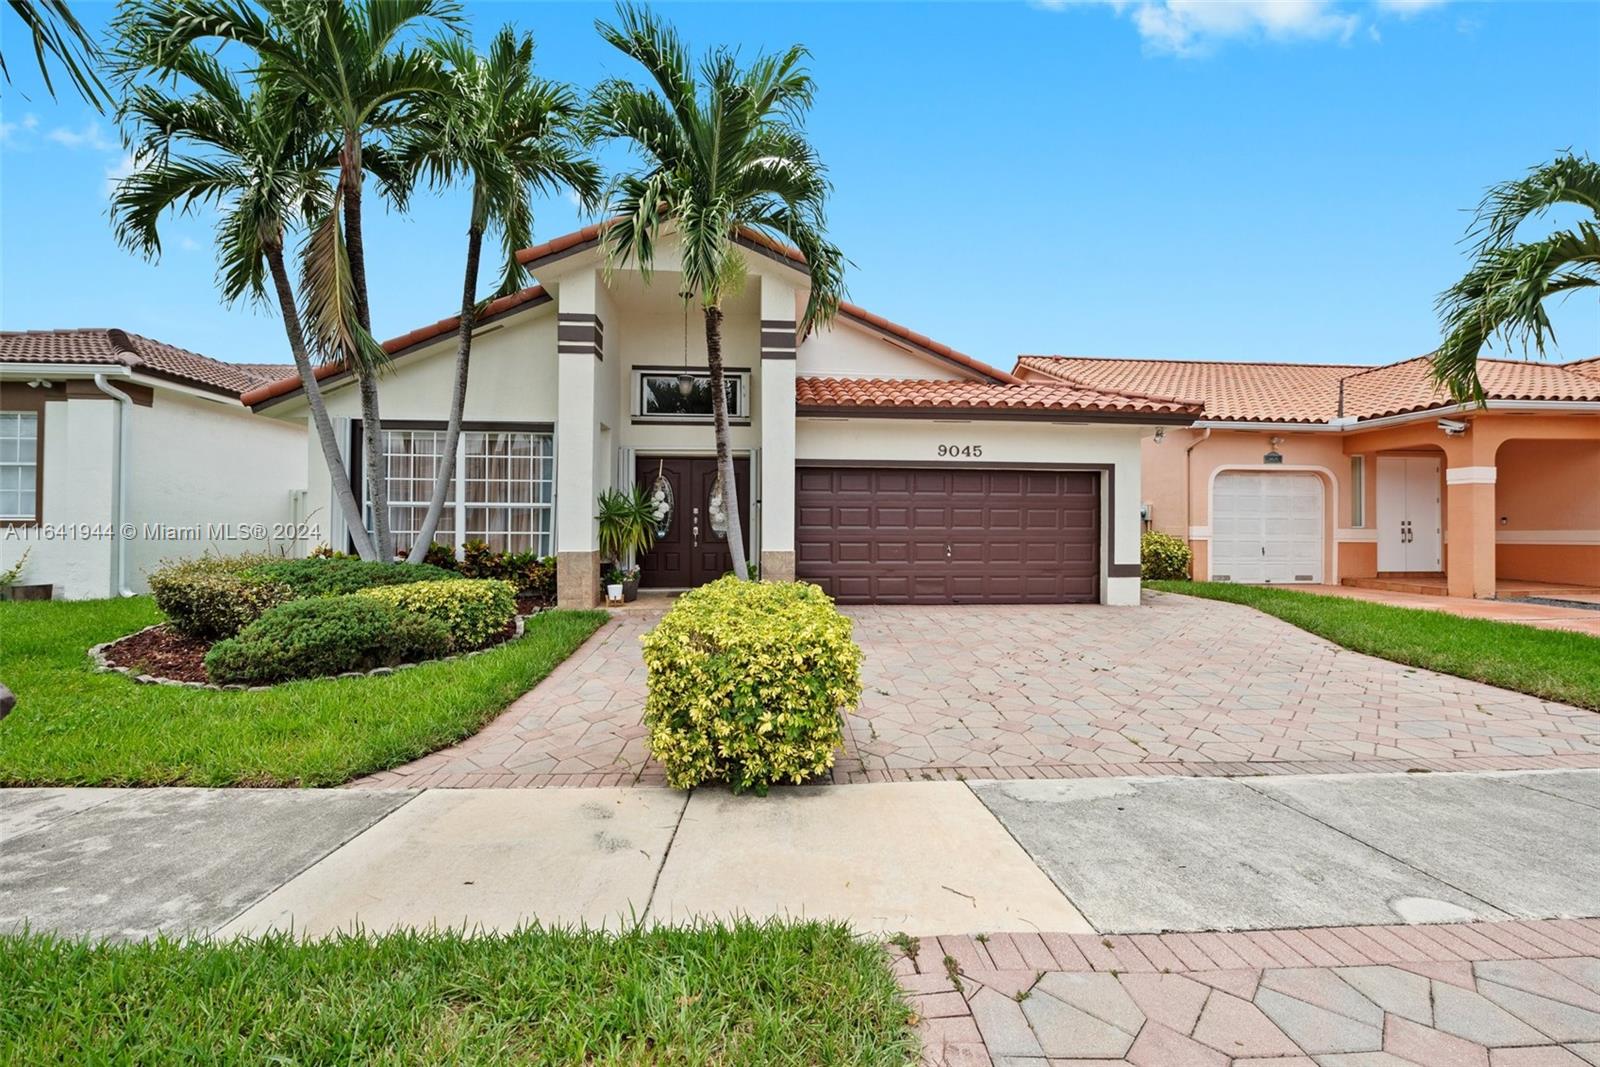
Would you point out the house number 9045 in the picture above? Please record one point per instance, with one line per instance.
(962, 451)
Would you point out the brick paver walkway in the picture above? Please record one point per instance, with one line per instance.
(1505, 994)
(1180, 686)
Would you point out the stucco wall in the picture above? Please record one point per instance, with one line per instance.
(1547, 502)
(918, 440)
(843, 350)
(194, 462)
(200, 463)
(80, 439)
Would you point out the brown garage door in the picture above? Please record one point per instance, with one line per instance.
(901, 535)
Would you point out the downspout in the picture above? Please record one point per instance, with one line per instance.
(124, 451)
(1188, 488)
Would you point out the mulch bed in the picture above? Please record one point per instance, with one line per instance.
(163, 652)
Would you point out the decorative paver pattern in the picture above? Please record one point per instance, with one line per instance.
(1179, 687)
(1504, 994)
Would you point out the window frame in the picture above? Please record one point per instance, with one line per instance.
(1358, 492)
(38, 468)
(456, 503)
(738, 375)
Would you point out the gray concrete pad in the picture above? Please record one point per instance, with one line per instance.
(1582, 787)
(491, 859)
(25, 810)
(1147, 854)
(921, 857)
(1500, 837)
(163, 860)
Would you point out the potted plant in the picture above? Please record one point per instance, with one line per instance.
(615, 585)
(10, 590)
(627, 529)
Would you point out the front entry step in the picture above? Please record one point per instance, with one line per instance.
(1422, 584)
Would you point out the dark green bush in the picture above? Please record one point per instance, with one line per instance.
(1163, 557)
(332, 576)
(533, 575)
(322, 636)
(215, 596)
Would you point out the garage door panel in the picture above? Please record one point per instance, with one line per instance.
(1267, 527)
(950, 535)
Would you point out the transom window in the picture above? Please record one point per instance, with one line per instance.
(502, 491)
(19, 466)
(687, 394)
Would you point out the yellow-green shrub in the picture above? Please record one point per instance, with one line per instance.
(1164, 557)
(475, 611)
(747, 682)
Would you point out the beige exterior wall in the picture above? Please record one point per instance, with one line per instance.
(844, 350)
(197, 464)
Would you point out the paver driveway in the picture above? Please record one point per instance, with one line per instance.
(1179, 686)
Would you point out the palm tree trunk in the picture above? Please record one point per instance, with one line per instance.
(337, 474)
(458, 397)
(719, 419)
(371, 423)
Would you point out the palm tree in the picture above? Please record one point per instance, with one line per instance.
(1505, 290)
(56, 34)
(351, 64)
(261, 166)
(722, 153)
(509, 134)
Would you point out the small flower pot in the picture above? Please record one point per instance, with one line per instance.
(614, 593)
(27, 592)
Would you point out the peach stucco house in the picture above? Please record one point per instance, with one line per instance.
(1366, 475)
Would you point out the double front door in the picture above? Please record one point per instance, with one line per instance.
(1408, 515)
(691, 542)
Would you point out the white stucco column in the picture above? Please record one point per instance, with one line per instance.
(778, 346)
(580, 352)
(1121, 512)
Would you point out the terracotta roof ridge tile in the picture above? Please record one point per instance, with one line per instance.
(1199, 362)
(1137, 393)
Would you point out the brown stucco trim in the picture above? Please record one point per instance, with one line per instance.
(84, 389)
(580, 334)
(14, 397)
(1014, 414)
(1108, 487)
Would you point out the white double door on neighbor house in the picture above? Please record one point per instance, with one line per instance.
(1266, 526)
(1410, 533)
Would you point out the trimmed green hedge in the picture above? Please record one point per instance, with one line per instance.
(215, 596)
(747, 682)
(322, 636)
(475, 611)
(324, 576)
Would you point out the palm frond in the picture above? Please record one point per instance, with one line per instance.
(328, 294)
(59, 38)
(1569, 179)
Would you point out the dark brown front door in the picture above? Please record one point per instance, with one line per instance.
(902, 535)
(689, 552)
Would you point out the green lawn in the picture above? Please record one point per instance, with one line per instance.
(799, 994)
(1552, 664)
(76, 726)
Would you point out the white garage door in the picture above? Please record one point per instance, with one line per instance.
(1266, 526)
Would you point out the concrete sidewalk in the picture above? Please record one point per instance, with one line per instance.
(1109, 855)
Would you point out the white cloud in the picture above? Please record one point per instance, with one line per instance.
(1407, 8)
(12, 133)
(91, 136)
(1197, 27)
(188, 244)
(117, 171)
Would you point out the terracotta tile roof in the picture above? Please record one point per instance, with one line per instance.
(1309, 392)
(844, 394)
(1589, 367)
(1248, 392)
(113, 347)
(289, 383)
(1408, 386)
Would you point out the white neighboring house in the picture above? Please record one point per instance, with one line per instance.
(871, 459)
(117, 451)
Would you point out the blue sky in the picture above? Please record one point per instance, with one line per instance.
(1164, 179)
